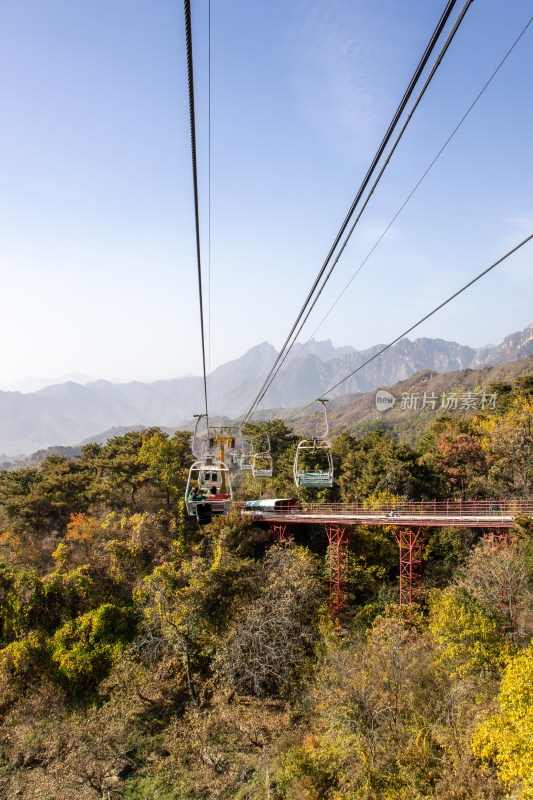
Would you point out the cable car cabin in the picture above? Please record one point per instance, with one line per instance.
(206, 480)
(313, 465)
(262, 465)
(269, 506)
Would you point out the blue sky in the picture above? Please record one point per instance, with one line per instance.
(96, 216)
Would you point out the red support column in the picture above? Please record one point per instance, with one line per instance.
(497, 537)
(410, 565)
(278, 532)
(339, 572)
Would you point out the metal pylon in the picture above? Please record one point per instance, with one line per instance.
(410, 546)
(339, 573)
(279, 533)
(498, 537)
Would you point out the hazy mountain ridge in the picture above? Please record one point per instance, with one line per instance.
(352, 412)
(68, 413)
(34, 383)
(516, 345)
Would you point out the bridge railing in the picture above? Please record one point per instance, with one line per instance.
(421, 508)
(430, 508)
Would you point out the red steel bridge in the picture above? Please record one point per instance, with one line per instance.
(406, 521)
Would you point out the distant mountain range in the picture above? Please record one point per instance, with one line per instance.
(68, 413)
(34, 384)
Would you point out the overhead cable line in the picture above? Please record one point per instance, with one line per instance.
(300, 324)
(399, 111)
(408, 198)
(209, 206)
(411, 328)
(188, 37)
(427, 316)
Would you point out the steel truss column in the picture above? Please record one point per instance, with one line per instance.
(339, 571)
(410, 545)
(278, 532)
(498, 537)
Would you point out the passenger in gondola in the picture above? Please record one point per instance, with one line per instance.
(195, 495)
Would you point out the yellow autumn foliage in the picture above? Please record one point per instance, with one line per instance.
(506, 738)
(467, 641)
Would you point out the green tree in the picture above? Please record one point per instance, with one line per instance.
(453, 448)
(523, 386)
(172, 603)
(43, 499)
(121, 472)
(379, 464)
(169, 460)
(84, 650)
(508, 441)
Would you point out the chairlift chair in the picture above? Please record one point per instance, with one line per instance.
(316, 450)
(247, 457)
(262, 460)
(209, 475)
(262, 465)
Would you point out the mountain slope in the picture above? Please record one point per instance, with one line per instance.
(67, 413)
(453, 392)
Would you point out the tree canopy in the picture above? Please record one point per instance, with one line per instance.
(145, 656)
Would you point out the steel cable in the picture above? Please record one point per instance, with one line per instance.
(188, 37)
(409, 330)
(452, 33)
(399, 111)
(427, 316)
(408, 198)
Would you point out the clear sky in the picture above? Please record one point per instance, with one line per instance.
(97, 242)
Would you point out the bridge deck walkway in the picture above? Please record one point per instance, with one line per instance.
(399, 520)
(482, 513)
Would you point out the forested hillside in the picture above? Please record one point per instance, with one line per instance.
(147, 658)
(419, 399)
